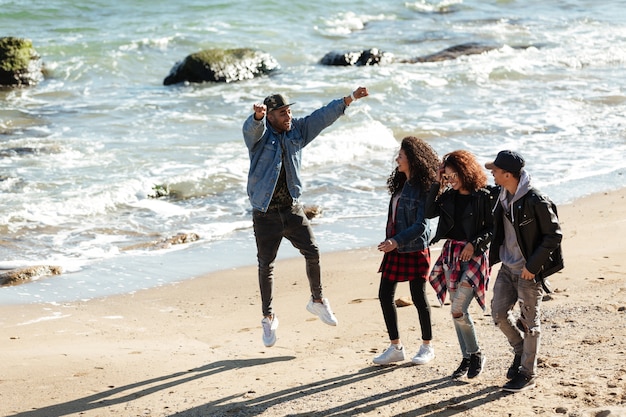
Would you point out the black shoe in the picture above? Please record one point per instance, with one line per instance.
(514, 368)
(520, 383)
(477, 361)
(462, 369)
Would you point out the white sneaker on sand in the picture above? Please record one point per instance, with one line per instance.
(390, 355)
(269, 330)
(323, 311)
(424, 355)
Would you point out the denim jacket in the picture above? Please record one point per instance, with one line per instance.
(265, 150)
(412, 228)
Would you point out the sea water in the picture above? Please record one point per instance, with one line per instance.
(83, 153)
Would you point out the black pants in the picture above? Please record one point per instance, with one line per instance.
(269, 229)
(386, 295)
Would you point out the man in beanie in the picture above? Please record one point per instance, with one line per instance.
(527, 240)
(275, 141)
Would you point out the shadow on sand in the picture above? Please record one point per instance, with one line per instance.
(240, 405)
(361, 403)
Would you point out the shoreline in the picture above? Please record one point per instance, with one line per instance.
(127, 275)
(193, 348)
(144, 271)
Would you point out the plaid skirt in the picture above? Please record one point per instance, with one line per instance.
(405, 266)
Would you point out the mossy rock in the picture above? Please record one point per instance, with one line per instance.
(20, 64)
(222, 65)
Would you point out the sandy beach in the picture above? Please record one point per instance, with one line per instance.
(194, 348)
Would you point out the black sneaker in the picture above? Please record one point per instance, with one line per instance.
(514, 368)
(462, 369)
(520, 383)
(477, 361)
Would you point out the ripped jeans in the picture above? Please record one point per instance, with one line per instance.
(523, 332)
(460, 300)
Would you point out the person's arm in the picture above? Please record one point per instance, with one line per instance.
(356, 95)
(417, 228)
(260, 110)
(312, 125)
(484, 234)
(254, 126)
(548, 226)
(432, 203)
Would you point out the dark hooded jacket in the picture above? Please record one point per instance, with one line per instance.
(534, 218)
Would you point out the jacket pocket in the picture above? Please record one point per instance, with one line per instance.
(526, 222)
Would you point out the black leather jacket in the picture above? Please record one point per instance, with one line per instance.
(538, 233)
(477, 219)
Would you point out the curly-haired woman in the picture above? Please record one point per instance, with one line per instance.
(407, 256)
(460, 198)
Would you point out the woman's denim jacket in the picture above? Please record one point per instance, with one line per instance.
(265, 150)
(412, 228)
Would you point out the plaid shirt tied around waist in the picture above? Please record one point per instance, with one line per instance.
(477, 272)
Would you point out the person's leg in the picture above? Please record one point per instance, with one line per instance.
(453, 303)
(386, 294)
(268, 233)
(473, 360)
(426, 353)
(462, 319)
(465, 327)
(504, 298)
(523, 377)
(530, 296)
(299, 232)
(418, 294)
(459, 336)
(395, 351)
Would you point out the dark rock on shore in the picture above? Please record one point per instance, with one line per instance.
(453, 52)
(28, 150)
(20, 64)
(375, 57)
(222, 65)
(29, 273)
(357, 58)
(165, 243)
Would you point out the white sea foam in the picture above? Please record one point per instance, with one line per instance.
(54, 316)
(344, 23)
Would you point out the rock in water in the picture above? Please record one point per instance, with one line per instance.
(367, 57)
(20, 64)
(222, 65)
(29, 273)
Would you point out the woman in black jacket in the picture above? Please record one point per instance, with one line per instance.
(463, 204)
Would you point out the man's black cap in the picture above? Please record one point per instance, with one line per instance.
(507, 160)
(276, 101)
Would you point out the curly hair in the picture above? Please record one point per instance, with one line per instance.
(423, 162)
(470, 172)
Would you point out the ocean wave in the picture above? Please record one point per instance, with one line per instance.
(101, 156)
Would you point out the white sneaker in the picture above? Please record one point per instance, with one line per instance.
(390, 355)
(269, 330)
(323, 311)
(425, 355)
